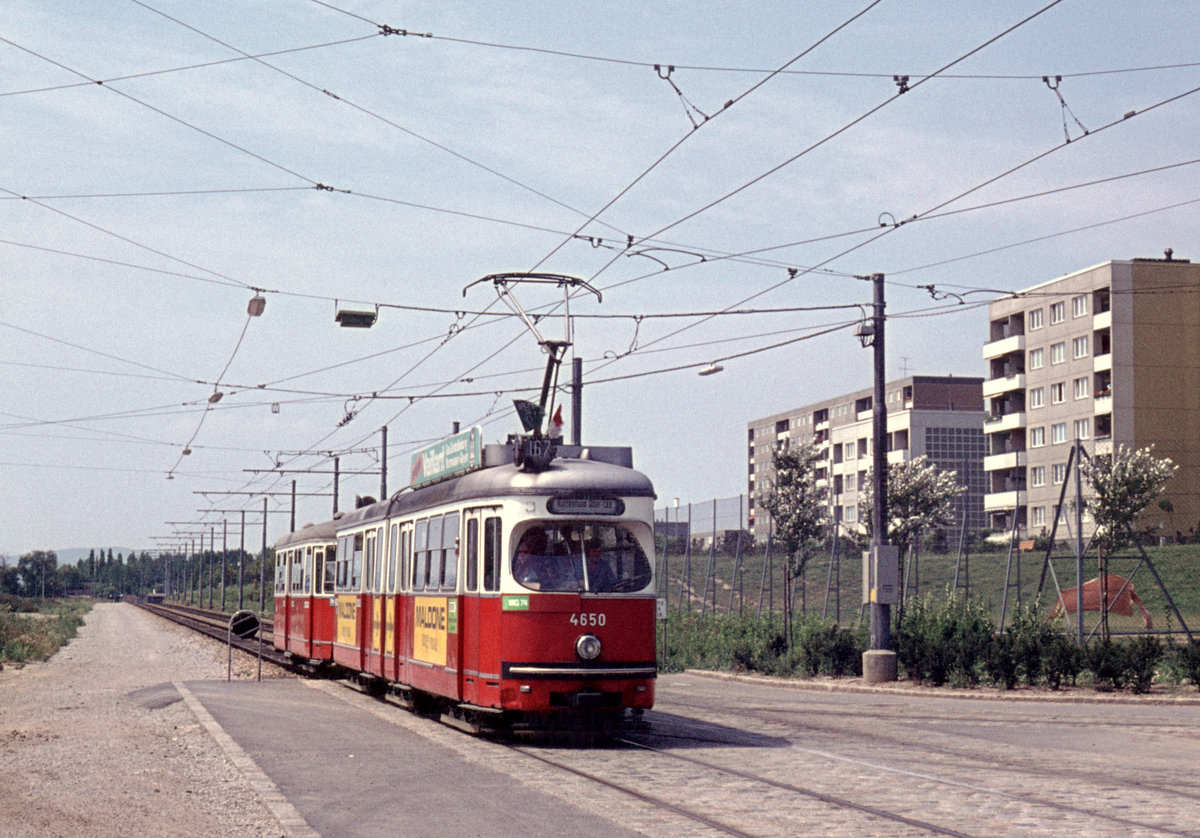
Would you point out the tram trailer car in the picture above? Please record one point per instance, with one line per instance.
(498, 597)
(304, 591)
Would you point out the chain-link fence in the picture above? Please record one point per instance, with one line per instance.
(711, 559)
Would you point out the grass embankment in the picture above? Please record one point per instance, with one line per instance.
(33, 630)
(981, 576)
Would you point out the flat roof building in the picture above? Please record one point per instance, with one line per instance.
(1108, 356)
(939, 417)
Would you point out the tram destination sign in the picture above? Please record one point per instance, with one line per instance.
(449, 457)
(584, 505)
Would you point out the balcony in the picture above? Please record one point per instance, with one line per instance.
(1001, 462)
(999, 501)
(1103, 402)
(1004, 346)
(1006, 422)
(1102, 363)
(1102, 320)
(996, 386)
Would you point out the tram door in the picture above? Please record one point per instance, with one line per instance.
(481, 564)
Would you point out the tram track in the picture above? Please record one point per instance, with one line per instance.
(722, 825)
(967, 758)
(960, 762)
(215, 624)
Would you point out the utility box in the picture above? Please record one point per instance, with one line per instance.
(881, 574)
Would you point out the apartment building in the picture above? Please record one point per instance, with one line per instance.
(1107, 356)
(940, 417)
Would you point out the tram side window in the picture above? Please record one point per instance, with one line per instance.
(421, 554)
(448, 577)
(356, 564)
(308, 567)
(491, 554)
(393, 558)
(296, 573)
(379, 577)
(318, 577)
(281, 560)
(343, 572)
(371, 561)
(472, 554)
(406, 535)
(330, 569)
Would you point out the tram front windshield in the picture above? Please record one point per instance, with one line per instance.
(581, 556)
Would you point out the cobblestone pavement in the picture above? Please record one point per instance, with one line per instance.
(845, 762)
(994, 767)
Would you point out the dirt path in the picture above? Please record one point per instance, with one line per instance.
(95, 742)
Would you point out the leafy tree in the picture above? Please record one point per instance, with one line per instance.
(1123, 485)
(919, 496)
(37, 570)
(798, 507)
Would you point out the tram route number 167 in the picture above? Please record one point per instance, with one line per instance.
(585, 620)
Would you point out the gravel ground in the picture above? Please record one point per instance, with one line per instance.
(95, 742)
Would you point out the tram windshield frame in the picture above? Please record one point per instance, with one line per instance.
(581, 556)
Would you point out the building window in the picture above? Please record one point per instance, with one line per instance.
(1034, 318)
(851, 515)
(1058, 392)
(1058, 352)
(1037, 476)
(1037, 437)
(1079, 306)
(1058, 433)
(1058, 312)
(1059, 473)
(1079, 347)
(1037, 397)
(1037, 516)
(1083, 387)
(851, 450)
(1037, 358)
(851, 482)
(1083, 428)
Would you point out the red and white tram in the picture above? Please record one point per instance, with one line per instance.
(494, 593)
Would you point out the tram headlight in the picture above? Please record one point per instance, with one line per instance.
(587, 647)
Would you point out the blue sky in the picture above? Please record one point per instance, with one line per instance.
(139, 215)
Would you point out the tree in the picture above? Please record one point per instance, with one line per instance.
(1123, 485)
(919, 496)
(798, 508)
(37, 570)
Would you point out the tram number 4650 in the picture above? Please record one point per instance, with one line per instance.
(588, 619)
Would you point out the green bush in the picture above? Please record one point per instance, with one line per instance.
(1115, 666)
(1141, 659)
(1062, 661)
(25, 636)
(1187, 660)
(758, 644)
(944, 639)
(1107, 661)
(824, 648)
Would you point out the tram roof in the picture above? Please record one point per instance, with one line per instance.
(590, 472)
(324, 531)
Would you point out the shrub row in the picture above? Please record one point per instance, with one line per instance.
(758, 644)
(939, 640)
(27, 636)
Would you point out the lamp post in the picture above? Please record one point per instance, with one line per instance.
(881, 564)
